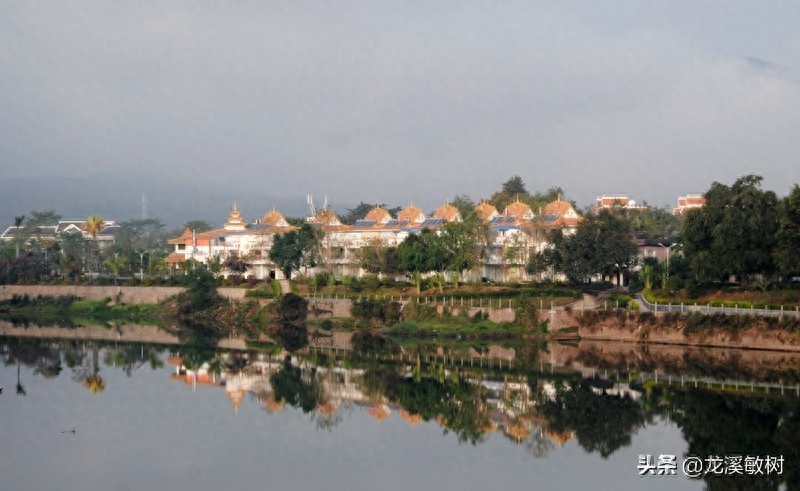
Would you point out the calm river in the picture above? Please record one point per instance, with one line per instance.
(80, 415)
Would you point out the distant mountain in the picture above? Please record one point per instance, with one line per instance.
(172, 200)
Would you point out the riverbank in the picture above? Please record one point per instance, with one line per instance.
(738, 332)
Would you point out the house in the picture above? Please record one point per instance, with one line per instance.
(617, 201)
(689, 202)
(104, 238)
(236, 235)
(448, 213)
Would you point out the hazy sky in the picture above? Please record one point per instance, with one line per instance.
(401, 101)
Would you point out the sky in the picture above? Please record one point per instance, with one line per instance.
(395, 102)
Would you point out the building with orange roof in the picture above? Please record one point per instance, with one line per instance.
(236, 236)
(617, 201)
(689, 202)
(486, 211)
(561, 214)
(412, 214)
(378, 215)
(448, 213)
(519, 210)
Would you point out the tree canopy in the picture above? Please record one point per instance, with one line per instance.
(296, 248)
(734, 233)
(602, 245)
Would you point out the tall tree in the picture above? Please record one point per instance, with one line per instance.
(602, 245)
(141, 234)
(43, 218)
(236, 264)
(198, 225)
(378, 258)
(295, 248)
(421, 253)
(787, 239)
(734, 233)
(94, 225)
(515, 185)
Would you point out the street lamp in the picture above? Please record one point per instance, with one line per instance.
(668, 248)
(141, 263)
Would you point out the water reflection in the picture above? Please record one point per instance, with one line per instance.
(597, 397)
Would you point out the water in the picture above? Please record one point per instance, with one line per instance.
(350, 422)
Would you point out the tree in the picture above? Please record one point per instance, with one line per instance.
(43, 218)
(236, 264)
(734, 233)
(198, 226)
(464, 204)
(309, 240)
(463, 242)
(115, 264)
(514, 186)
(378, 258)
(421, 253)
(787, 240)
(141, 234)
(214, 264)
(285, 253)
(94, 225)
(602, 245)
(296, 248)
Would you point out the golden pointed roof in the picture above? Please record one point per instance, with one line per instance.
(411, 419)
(517, 431)
(275, 219)
(412, 214)
(448, 213)
(560, 437)
(235, 220)
(328, 409)
(520, 210)
(379, 413)
(272, 405)
(486, 211)
(378, 214)
(236, 397)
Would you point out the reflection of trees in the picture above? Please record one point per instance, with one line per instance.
(601, 422)
(538, 444)
(130, 357)
(43, 358)
(292, 337)
(93, 381)
(298, 389)
(725, 424)
(457, 404)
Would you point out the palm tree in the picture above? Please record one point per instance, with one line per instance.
(94, 382)
(115, 264)
(18, 223)
(94, 225)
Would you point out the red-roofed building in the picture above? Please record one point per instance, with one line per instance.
(689, 202)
